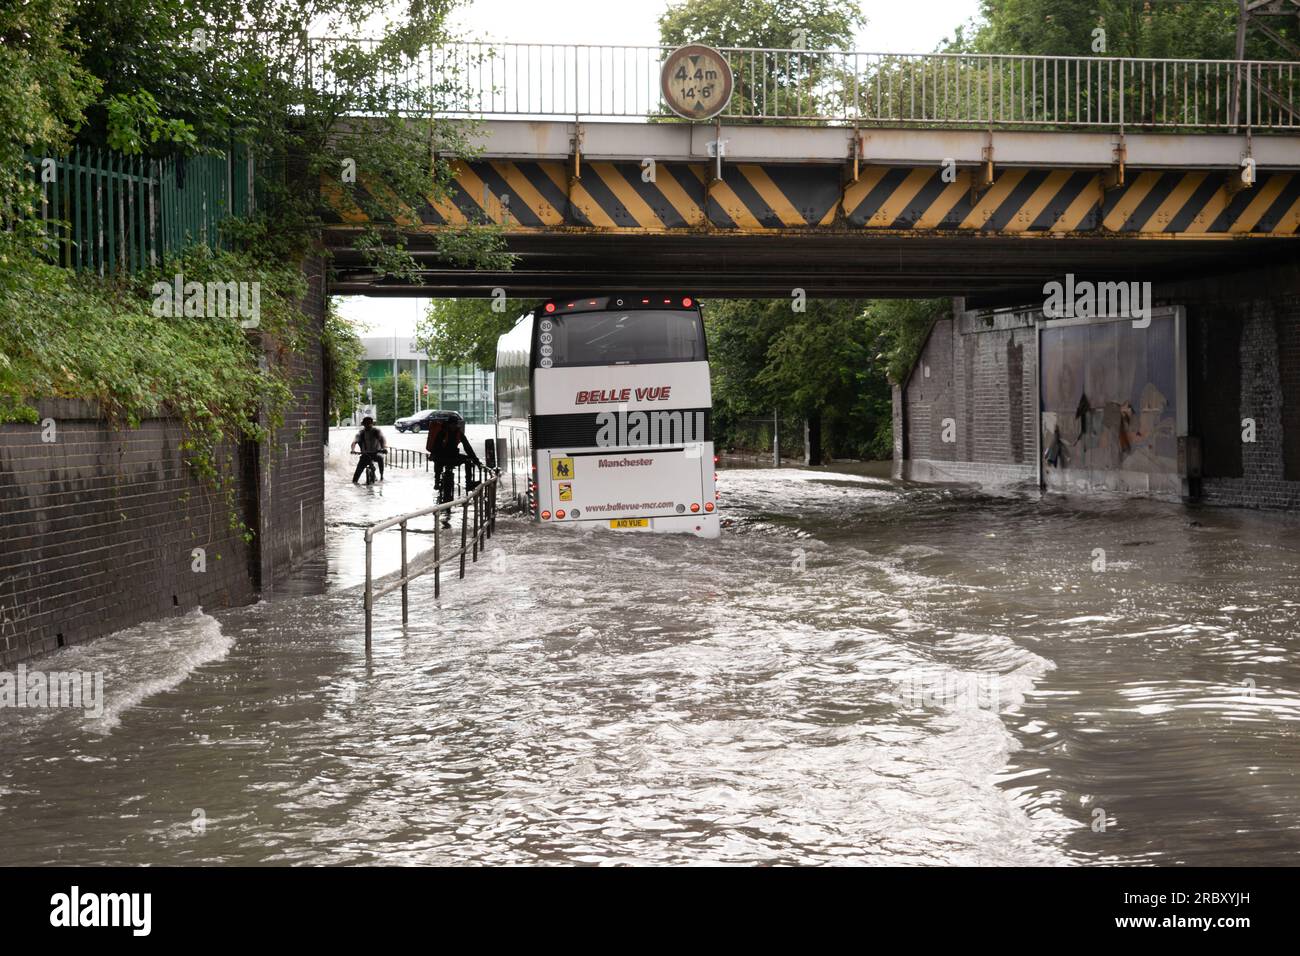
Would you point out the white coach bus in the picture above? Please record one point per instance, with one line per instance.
(603, 413)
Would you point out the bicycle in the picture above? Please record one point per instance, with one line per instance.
(370, 465)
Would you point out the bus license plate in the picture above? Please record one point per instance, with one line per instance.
(630, 523)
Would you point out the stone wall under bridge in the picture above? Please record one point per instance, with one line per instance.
(1201, 404)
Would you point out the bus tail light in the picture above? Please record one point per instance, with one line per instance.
(708, 506)
(560, 513)
(686, 302)
(550, 307)
(546, 516)
(695, 507)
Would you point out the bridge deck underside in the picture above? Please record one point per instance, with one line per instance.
(768, 228)
(991, 268)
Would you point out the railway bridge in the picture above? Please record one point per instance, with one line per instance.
(991, 179)
(853, 173)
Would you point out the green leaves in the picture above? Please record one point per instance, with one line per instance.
(465, 331)
(78, 337)
(134, 122)
(43, 93)
(343, 354)
(835, 359)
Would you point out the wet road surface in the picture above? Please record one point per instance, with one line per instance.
(859, 671)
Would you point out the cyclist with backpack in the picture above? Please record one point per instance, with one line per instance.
(373, 447)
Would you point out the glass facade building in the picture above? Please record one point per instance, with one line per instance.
(458, 388)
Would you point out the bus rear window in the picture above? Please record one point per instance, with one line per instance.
(612, 338)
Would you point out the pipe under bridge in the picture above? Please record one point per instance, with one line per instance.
(1106, 168)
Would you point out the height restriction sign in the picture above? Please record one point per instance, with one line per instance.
(696, 82)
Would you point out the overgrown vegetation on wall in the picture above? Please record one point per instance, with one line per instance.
(174, 78)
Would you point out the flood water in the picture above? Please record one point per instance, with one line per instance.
(859, 671)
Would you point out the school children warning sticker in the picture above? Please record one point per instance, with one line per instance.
(561, 468)
(566, 491)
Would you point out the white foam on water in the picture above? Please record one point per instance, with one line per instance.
(136, 663)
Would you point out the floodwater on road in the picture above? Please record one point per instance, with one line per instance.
(859, 671)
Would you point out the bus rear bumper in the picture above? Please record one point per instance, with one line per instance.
(702, 526)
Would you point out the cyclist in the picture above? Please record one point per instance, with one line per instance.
(446, 438)
(373, 447)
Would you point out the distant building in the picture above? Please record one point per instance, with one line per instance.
(459, 388)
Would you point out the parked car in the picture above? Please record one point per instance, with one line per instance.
(415, 423)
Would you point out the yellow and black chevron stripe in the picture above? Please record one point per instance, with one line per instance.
(764, 198)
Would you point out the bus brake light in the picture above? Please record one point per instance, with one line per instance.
(695, 507)
(546, 516)
(708, 506)
(686, 303)
(550, 307)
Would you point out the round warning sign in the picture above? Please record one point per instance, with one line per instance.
(696, 82)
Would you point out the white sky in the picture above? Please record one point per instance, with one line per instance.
(892, 27)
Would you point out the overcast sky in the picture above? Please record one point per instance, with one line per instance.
(892, 27)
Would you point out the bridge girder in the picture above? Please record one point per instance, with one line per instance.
(864, 223)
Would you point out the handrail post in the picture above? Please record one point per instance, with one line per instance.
(464, 527)
(1250, 102)
(437, 556)
(404, 572)
(1121, 96)
(476, 497)
(369, 600)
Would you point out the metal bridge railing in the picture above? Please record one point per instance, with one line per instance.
(478, 520)
(925, 89)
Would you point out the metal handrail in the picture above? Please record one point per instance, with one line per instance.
(485, 78)
(399, 457)
(484, 523)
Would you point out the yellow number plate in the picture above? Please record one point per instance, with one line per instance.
(630, 523)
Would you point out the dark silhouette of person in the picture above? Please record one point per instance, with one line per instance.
(370, 440)
(444, 444)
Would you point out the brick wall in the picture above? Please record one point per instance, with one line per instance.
(982, 377)
(98, 529)
(1243, 361)
(292, 515)
(98, 526)
(1264, 385)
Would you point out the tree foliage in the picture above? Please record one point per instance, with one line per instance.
(465, 331)
(1191, 29)
(344, 352)
(182, 76)
(821, 24)
(177, 77)
(44, 91)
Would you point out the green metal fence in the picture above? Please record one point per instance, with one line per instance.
(108, 213)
